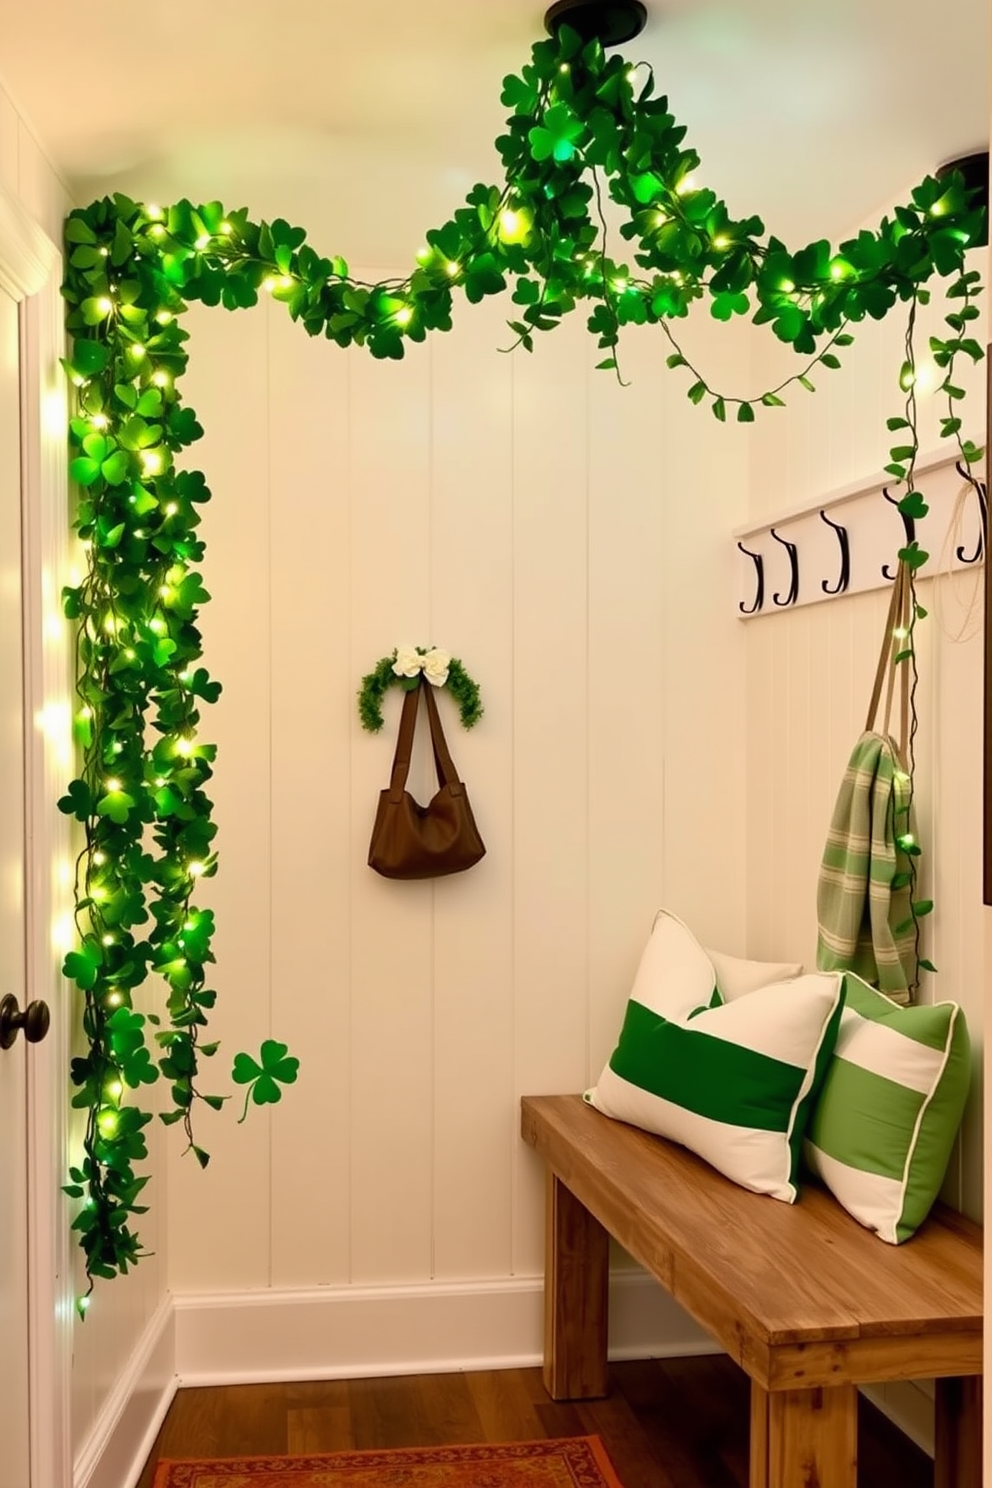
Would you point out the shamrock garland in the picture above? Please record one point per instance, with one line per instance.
(578, 120)
(404, 667)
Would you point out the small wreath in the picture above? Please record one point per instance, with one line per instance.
(406, 666)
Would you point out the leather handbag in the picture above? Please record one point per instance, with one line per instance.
(414, 841)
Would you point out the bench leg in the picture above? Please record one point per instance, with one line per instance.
(807, 1437)
(576, 1298)
(958, 1444)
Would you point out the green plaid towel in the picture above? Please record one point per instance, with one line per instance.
(857, 908)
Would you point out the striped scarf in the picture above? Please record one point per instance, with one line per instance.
(861, 918)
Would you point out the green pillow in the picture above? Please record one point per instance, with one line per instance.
(884, 1125)
(733, 1081)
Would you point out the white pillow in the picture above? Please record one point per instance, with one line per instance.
(736, 977)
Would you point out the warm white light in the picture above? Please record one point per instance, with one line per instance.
(196, 869)
(137, 350)
(108, 940)
(114, 1090)
(158, 625)
(403, 317)
(721, 242)
(164, 316)
(269, 283)
(99, 421)
(203, 241)
(151, 462)
(154, 212)
(131, 655)
(226, 228)
(99, 859)
(113, 999)
(107, 1122)
(160, 781)
(104, 305)
(453, 269)
(113, 785)
(900, 633)
(161, 379)
(787, 286)
(165, 592)
(907, 840)
(110, 625)
(185, 747)
(83, 1304)
(688, 183)
(98, 894)
(157, 230)
(171, 509)
(509, 221)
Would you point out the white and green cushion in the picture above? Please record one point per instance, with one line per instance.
(732, 1081)
(883, 1128)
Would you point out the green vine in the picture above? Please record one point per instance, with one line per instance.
(384, 675)
(576, 116)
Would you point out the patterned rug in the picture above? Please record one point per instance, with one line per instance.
(575, 1462)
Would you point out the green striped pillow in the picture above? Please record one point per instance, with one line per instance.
(732, 1081)
(883, 1128)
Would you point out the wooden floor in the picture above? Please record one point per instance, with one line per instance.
(667, 1424)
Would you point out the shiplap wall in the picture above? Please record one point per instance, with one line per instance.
(103, 1346)
(809, 678)
(567, 539)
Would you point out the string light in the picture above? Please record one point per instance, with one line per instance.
(196, 869)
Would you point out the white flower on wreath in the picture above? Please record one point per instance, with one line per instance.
(408, 661)
(436, 666)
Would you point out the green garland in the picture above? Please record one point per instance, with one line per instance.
(375, 685)
(578, 120)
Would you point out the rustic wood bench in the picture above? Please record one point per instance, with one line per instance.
(806, 1301)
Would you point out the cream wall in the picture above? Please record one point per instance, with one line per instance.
(567, 539)
(104, 1345)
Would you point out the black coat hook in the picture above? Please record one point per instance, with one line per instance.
(845, 559)
(793, 552)
(982, 492)
(759, 598)
(909, 525)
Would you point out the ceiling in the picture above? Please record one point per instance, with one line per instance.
(369, 121)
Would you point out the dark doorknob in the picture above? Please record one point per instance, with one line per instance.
(34, 1020)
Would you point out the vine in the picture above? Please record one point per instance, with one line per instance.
(132, 271)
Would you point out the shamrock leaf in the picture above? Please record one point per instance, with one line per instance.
(78, 802)
(556, 137)
(263, 1077)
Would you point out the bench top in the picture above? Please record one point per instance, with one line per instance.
(751, 1268)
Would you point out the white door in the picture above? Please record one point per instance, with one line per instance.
(14, 1417)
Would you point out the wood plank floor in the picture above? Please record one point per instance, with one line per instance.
(667, 1423)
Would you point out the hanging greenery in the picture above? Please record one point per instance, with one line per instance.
(405, 667)
(580, 124)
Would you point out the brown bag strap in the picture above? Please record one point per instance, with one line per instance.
(404, 744)
(897, 619)
(443, 763)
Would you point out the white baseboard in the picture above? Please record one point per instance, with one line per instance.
(353, 1332)
(115, 1451)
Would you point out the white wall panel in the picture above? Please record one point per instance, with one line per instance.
(530, 516)
(233, 1197)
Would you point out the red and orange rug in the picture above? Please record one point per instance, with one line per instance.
(574, 1462)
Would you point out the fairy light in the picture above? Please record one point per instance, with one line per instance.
(185, 747)
(900, 632)
(158, 625)
(113, 785)
(907, 840)
(99, 858)
(203, 241)
(171, 509)
(108, 940)
(403, 317)
(137, 350)
(164, 316)
(99, 421)
(83, 1303)
(151, 462)
(226, 228)
(197, 869)
(113, 999)
(107, 1122)
(687, 183)
(154, 212)
(104, 305)
(161, 379)
(113, 1090)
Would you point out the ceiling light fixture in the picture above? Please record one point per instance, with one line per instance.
(611, 22)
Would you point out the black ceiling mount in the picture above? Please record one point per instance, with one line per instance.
(975, 169)
(610, 21)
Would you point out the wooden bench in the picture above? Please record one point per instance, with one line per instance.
(805, 1300)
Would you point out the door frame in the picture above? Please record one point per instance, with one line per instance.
(31, 272)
